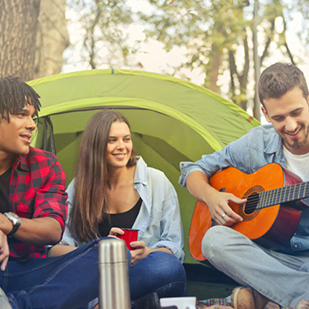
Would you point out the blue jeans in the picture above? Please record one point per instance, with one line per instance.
(71, 280)
(280, 277)
(159, 272)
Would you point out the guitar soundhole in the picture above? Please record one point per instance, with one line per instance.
(252, 201)
(248, 211)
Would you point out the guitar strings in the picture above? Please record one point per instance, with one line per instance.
(275, 197)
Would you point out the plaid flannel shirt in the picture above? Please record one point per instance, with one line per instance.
(37, 189)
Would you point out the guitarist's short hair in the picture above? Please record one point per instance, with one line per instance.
(279, 78)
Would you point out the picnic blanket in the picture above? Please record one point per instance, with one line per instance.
(203, 304)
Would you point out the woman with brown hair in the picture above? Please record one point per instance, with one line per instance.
(112, 190)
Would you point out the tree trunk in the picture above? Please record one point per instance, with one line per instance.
(52, 38)
(212, 68)
(18, 30)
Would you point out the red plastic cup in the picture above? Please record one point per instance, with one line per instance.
(129, 236)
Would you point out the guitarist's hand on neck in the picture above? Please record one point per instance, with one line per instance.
(217, 202)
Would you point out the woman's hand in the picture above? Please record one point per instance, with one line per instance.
(114, 231)
(139, 247)
(140, 251)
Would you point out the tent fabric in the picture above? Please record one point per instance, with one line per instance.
(171, 120)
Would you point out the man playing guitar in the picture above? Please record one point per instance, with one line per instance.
(270, 277)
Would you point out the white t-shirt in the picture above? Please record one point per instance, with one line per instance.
(297, 164)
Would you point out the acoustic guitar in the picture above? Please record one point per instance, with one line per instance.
(270, 215)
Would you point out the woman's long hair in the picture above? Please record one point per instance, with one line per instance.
(90, 202)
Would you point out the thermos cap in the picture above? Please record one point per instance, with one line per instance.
(112, 250)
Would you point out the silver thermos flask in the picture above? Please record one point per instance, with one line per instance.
(114, 288)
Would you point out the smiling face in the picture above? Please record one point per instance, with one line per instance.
(15, 135)
(289, 115)
(119, 146)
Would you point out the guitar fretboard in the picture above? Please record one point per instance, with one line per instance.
(283, 195)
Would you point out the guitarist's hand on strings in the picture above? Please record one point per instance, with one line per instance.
(221, 212)
(217, 201)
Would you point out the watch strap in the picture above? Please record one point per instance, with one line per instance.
(15, 220)
(13, 231)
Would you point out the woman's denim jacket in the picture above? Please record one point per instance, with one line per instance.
(159, 221)
(261, 146)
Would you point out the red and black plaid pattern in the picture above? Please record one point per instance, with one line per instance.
(37, 189)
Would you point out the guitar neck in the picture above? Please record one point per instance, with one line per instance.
(283, 195)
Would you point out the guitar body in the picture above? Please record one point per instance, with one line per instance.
(271, 227)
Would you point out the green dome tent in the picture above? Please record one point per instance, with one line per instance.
(171, 120)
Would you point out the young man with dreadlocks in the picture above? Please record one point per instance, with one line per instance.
(33, 211)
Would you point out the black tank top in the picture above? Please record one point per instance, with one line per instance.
(123, 220)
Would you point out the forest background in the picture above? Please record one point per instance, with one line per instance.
(222, 45)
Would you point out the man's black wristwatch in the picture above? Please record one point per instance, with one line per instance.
(15, 219)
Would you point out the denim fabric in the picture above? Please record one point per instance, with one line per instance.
(159, 272)
(71, 280)
(68, 281)
(261, 146)
(283, 278)
(159, 222)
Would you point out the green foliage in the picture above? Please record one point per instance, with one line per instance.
(103, 23)
(208, 30)
(216, 34)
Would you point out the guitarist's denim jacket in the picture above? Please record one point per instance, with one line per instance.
(261, 146)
